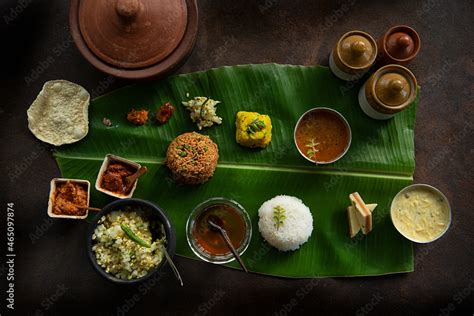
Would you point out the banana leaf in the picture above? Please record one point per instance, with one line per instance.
(379, 163)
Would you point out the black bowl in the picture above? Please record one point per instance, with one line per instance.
(157, 213)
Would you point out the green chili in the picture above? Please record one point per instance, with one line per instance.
(255, 126)
(133, 236)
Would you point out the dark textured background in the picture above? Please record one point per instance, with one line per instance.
(239, 32)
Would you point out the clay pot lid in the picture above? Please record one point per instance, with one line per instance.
(357, 49)
(132, 34)
(395, 85)
(402, 42)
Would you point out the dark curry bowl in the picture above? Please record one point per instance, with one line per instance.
(156, 214)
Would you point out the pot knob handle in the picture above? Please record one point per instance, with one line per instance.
(127, 9)
(396, 86)
(358, 48)
(404, 41)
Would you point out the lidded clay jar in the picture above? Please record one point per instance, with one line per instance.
(399, 45)
(134, 39)
(353, 55)
(387, 92)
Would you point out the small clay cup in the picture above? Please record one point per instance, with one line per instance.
(399, 45)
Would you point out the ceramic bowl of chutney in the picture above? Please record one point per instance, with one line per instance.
(208, 244)
(322, 135)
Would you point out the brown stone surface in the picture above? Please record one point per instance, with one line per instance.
(36, 47)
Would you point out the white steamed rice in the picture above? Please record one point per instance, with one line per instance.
(295, 229)
(118, 254)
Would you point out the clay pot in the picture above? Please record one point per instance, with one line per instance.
(353, 55)
(388, 91)
(134, 39)
(399, 45)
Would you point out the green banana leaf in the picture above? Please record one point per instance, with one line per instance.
(379, 163)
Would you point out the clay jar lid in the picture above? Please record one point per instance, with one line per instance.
(401, 44)
(357, 49)
(394, 86)
(134, 38)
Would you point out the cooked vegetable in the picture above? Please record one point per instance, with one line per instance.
(203, 111)
(123, 244)
(133, 236)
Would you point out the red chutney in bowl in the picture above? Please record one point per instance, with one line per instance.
(322, 135)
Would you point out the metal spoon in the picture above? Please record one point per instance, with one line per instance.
(215, 223)
(173, 266)
(130, 180)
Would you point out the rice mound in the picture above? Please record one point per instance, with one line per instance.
(192, 158)
(59, 114)
(296, 227)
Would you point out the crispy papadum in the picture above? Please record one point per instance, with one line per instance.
(59, 115)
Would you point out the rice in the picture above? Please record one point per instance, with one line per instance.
(192, 158)
(117, 253)
(203, 111)
(285, 222)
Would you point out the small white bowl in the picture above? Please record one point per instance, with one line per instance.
(54, 183)
(109, 158)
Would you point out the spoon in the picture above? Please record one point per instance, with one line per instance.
(215, 224)
(143, 243)
(90, 208)
(130, 180)
(173, 266)
(95, 209)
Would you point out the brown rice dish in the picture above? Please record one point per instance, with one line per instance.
(192, 158)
